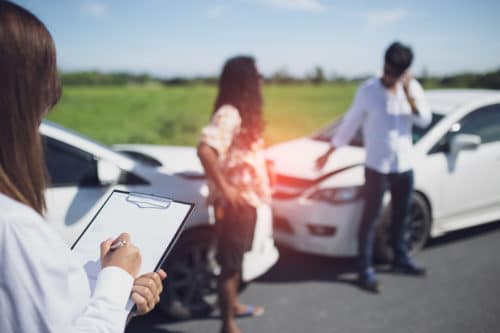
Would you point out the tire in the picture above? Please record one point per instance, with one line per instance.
(191, 286)
(417, 231)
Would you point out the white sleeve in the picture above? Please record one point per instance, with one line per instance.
(424, 116)
(105, 312)
(351, 121)
(45, 294)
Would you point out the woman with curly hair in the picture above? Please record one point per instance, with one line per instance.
(231, 151)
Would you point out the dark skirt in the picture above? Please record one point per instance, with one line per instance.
(235, 229)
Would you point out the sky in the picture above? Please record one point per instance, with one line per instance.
(170, 38)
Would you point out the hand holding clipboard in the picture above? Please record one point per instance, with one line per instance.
(153, 223)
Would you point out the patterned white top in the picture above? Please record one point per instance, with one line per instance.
(244, 168)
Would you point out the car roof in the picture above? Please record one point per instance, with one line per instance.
(444, 101)
(82, 142)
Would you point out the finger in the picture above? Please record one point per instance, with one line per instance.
(140, 302)
(125, 237)
(407, 78)
(157, 280)
(242, 200)
(241, 203)
(162, 273)
(155, 276)
(319, 163)
(146, 294)
(152, 302)
(148, 283)
(146, 280)
(132, 252)
(105, 246)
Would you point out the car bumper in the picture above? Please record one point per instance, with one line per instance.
(317, 227)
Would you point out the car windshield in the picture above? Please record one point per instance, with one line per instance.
(417, 133)
(84, 138)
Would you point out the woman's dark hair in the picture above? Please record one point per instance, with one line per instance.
(29, 87)
(399, 56)
(239, 86)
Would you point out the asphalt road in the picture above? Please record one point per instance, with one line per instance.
(306, 294)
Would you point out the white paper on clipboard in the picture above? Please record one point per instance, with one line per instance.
(153, 222)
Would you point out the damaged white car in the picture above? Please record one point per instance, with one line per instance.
(457, 180)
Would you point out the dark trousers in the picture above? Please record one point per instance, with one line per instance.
(401, 188)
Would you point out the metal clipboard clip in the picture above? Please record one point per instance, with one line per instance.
(148, 201)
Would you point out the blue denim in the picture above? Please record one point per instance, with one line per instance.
(401, 187)
(368, 275)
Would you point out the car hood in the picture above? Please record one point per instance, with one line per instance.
(171, 159)
(296, 159)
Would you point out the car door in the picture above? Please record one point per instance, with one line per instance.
(471, 180)
(74, 190)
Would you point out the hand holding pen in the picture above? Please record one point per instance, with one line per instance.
(121, 253)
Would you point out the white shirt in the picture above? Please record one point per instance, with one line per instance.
(387, 121)
(44, 289)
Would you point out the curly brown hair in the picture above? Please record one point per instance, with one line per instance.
(239, 86)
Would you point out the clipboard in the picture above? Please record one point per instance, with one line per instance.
(153, 222)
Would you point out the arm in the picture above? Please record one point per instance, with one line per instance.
(112, 290)
(49, 292)
(147, 288)
(414, 93)
(105, 312)
(216, 139)
(271, 174)
(210, 161)
(321, 161)
(348, 127)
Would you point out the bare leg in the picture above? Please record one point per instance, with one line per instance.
(228, 296)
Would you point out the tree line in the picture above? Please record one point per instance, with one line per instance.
(488, 80)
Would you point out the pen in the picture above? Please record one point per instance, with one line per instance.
(117, 244)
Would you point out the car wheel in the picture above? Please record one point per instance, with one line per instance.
(417, 231)
(191, 285)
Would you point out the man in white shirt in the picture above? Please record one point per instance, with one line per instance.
(386, 108)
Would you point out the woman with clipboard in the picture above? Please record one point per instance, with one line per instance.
(42, 287)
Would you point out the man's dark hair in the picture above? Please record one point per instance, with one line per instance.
(399, 56)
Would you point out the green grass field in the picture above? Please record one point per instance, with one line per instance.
(175, 115)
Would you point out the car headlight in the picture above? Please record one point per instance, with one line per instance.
(337, 195)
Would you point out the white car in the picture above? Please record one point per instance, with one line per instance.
(83, 173)
(457, 180)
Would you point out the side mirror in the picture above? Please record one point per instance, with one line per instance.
(107, 172)
(464, 142)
